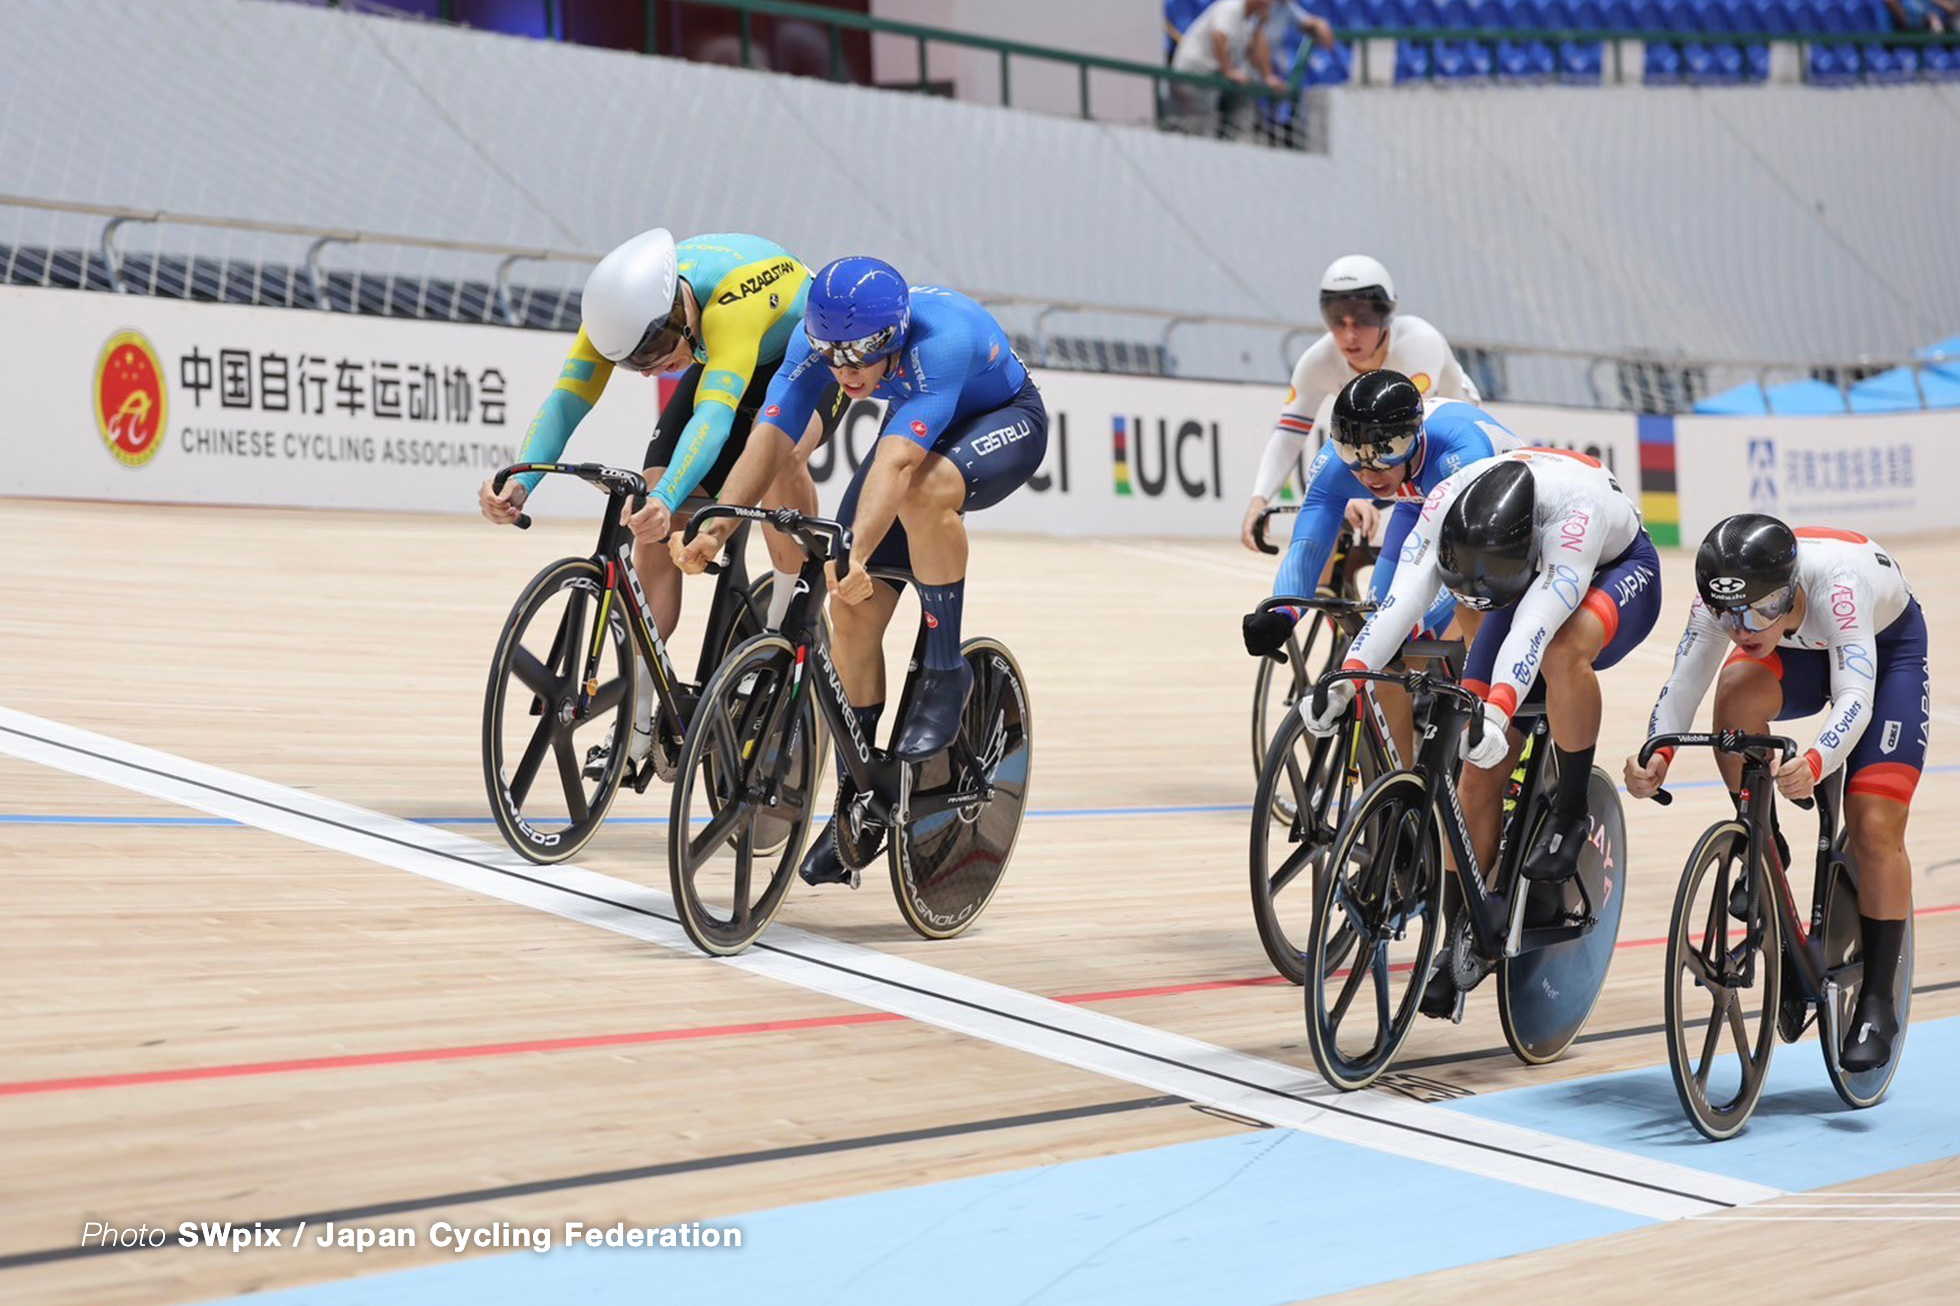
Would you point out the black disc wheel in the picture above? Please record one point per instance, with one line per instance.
(743, 797)
(548, 705)
(1317, 780)
(1278, 687)
(1844, 961)
(1723, 979)
(1545, 995)
(1383, 888)
(947, 862)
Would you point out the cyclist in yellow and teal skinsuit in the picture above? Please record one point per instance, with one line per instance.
(723, 307)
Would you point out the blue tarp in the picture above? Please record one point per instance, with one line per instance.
(1888, 392)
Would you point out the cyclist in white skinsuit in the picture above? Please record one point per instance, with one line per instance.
(1552, 549)
(1794, 622)
(1364, 334)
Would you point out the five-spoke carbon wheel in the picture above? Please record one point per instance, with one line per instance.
(1382, 891)
(541, 718)
(1723, 979)
(743, 794)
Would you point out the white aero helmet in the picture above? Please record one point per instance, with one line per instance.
(1354, 274)
(631, 294)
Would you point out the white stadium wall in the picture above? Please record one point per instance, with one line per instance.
(1716, 224)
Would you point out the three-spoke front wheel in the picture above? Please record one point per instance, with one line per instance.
(1723, 978)
(561, 684)
(1382, 896)
(742, 796)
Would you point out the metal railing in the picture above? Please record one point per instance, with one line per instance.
(1625, 380)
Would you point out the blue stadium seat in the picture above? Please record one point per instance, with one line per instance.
(1715, 17)
(1834, 17)
(1556, 14)
(1484, 13)
(1450, 61)
(1649, 15)
(1908, 57)
(1663, 65)
(1805, 18)
(1580, 63)
(1938, 62)
(1588, 15)
(1741, 16)
(1773, 16)
(1755, 63)
(1411, 61)
(1453, 15)
(1619, 15)
(1179, 14)
(1392, 13)
(1423, 13)
(1680, 16)
(1330, 67)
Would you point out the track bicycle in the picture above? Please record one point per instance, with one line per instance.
(1743, 969)
(563, 675)
(1385, 886)
(949, 822)
(1306, 786)
(1312, 649)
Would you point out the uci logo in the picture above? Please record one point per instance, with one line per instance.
(1727, 587)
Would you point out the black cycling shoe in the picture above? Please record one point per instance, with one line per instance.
(1868, 1041)
(1554, 854)
(937, 701)
(1441, 998)
(822, 865)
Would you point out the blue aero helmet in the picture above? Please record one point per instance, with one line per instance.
(857, 311)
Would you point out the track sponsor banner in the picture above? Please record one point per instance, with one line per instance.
(1150, 456)
(165, 401)
(1875, 474)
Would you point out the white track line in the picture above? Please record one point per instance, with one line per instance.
(1201, 1072)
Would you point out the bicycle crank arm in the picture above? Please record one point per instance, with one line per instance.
(1828, 1017)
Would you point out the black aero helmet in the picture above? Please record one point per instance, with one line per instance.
(1746, 569)
(1377, 420)
(1488, 546)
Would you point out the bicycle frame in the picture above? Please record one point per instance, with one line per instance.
(615, 550)
(1804, 945)
(1495, 915)
(883, 780)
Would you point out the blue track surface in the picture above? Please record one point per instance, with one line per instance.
(1260, 1217)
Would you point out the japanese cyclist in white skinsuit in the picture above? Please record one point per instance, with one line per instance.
(1794, 622)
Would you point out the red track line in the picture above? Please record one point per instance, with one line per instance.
(412, 1056)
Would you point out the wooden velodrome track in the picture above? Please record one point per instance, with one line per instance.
(212, 1020)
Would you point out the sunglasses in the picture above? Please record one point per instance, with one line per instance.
(1363, 310)
(1754, 618)
(855, 353)
(662, 339)
(1377, 456)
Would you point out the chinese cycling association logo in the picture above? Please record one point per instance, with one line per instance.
(131, 404)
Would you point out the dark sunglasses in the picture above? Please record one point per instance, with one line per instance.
(661, 339)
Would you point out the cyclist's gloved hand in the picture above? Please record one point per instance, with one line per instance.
(1492, 748)
(1339, 695)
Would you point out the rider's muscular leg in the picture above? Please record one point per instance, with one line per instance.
(931, 516)
(1747, 697)
(1482, 794)
(1878, 839)
(857, 643)
(1572, 704)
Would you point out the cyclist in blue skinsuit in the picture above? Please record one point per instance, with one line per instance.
(966, 427)
(1387, 443)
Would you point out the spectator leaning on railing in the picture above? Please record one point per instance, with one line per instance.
(1924, 15)
(1227, 40)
